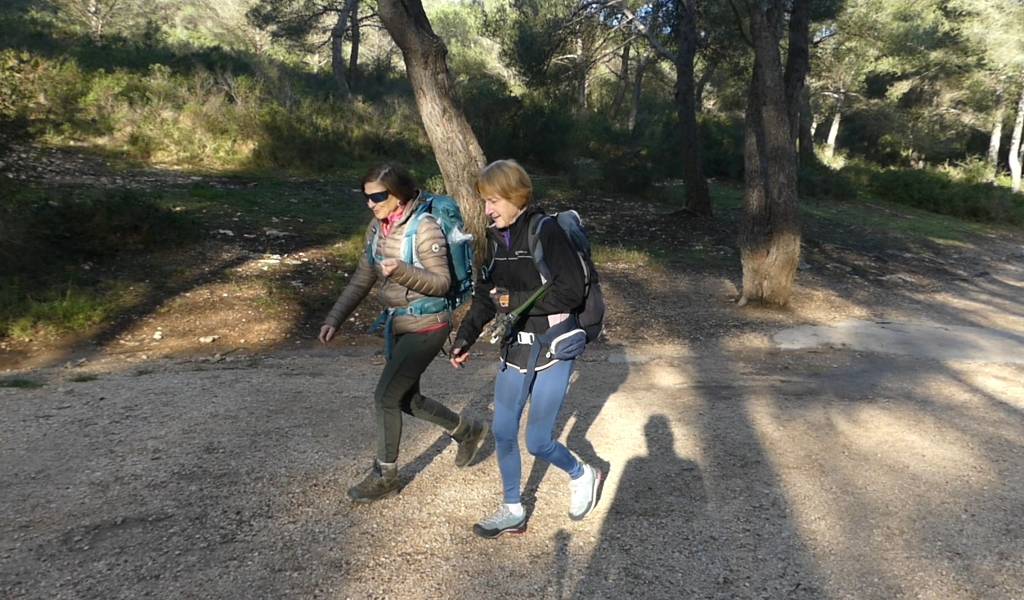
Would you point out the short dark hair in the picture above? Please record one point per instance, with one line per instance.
(399, 182)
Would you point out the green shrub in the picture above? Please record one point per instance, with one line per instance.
(316, 136)
(46, 236)
(543, 134)
(933, 190)
(24, 314)
(61, 225)
(973, 169)
(722, 143)
(819, 181)
(626, 170)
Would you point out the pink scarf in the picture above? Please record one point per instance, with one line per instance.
(391, 220)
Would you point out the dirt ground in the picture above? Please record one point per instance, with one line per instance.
(739, 464)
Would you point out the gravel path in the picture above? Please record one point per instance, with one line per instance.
(767, 474)
(737, 468)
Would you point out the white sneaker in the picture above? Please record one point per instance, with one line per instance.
(584, 492)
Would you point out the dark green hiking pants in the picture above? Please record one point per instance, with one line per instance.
(398, 391)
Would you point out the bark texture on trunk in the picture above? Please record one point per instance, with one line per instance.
(1015, 153)
(698, 198)
(769, 232)
(455, 145)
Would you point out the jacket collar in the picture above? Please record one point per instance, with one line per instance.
(410, 209)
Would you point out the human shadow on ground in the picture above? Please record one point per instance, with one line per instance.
(660, 499)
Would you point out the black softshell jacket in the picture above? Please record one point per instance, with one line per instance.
(512, 267)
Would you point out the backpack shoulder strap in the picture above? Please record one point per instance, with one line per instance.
(413, 226)
(371, 246)
(536, 249)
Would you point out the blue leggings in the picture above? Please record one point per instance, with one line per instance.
(548, 394)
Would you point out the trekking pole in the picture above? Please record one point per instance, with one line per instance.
(501, 327)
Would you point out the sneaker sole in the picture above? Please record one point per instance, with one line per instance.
(595, 496)
(519, 530)
(480, 445)
(363, 500)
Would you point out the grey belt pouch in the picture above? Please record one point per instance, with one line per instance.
(569, 345)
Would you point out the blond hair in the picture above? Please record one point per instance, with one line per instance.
(506, 179)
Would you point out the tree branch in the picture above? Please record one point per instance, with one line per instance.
(745, 32)
(646, 31)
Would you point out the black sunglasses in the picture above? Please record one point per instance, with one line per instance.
(377, 197)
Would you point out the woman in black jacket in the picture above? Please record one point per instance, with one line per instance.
(538, 353)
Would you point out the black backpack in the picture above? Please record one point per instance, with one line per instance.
(591, 318)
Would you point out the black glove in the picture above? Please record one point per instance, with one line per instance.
(502, 299)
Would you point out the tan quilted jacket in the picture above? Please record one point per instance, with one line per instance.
(407, 283)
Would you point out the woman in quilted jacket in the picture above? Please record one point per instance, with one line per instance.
(392, 196)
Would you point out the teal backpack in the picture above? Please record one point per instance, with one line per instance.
(445, 211)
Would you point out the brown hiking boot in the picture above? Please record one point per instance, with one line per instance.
(470, 437)
(380, 482)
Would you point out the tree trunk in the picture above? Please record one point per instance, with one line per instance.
(807, 125)
(354, 39)
(583, 50)
(638, 89)
(1015, 145)
(769, 232)
(583, 93)
(702, 84)
(337, 53)
(798, 63)
(455, 145)
(698, 199)
(833, 133)
(620, 94)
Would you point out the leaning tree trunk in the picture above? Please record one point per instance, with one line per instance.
(833, 133)
(698, 199)
(354, 39)
(1015, 145)
(455, 145)
(769, 231)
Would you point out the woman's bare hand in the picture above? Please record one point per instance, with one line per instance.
(327, 333)
(388, 266)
